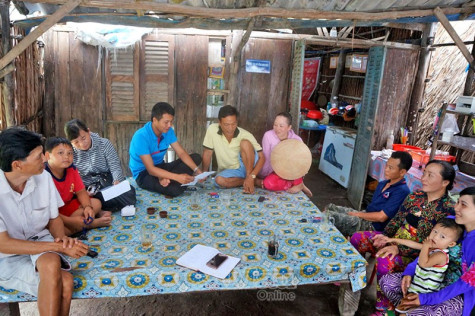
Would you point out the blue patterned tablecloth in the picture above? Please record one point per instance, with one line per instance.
(307, 255)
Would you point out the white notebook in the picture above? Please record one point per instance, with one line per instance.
(115, 190)
(197, 257)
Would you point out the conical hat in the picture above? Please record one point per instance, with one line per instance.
(291, 159)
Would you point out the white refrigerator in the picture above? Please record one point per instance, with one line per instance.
(337, 153)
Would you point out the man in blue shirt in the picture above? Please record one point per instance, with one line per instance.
(148, 148)
(387, 199)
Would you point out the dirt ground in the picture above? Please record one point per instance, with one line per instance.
(307, 299)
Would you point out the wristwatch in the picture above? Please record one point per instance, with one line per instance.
(253, 176)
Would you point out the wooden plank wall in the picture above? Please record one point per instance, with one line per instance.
(120, 134)
(262, 96)
(191, 60)
(396, 89)
(29, 87)
(75, 88)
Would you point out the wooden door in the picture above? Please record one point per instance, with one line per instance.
(369, 108)
(263, 95)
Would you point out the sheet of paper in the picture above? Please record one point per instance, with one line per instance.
(199, 177)
(115, 190)
(199, 255)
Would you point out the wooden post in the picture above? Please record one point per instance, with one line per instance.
(437, 131)
(338, 75)
(8, 83)
(417, 96)
(469, 87)
(10, 309)
(43, 27)
(236, 64)
(448, 27)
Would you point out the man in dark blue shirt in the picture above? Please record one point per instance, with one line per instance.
(386, 201)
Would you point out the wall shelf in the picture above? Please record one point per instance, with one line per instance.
(461, 142)
(217, 91)
(354, 77)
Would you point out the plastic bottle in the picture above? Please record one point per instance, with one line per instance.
(390, 141)
(333, 32)
(335, 102)
(329, 106)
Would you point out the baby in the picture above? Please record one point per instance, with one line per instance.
(433, 259)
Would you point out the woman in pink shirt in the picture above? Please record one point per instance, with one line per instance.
(268, 179)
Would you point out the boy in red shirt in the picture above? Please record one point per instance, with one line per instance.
(79, 209)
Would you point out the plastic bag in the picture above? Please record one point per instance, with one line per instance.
(450, 124)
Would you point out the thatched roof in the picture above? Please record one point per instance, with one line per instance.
(235, 14)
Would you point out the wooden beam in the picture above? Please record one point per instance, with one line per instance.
(347, 32)
(340, 68)
(236, 63)
(336, 42)
(453, 34)
(150, 5)
(5, 71)
(43, 27)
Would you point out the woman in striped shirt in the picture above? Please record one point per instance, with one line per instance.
(98, 164)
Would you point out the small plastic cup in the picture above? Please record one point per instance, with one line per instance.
(194, 201)
(273, 247)
(225, 198)
(146, 237)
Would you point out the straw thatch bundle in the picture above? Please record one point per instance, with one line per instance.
(447, 73)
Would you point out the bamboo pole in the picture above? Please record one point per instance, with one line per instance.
(448, 27)
(248, 13)
(43, 27)
(7, 84)
(419, 83)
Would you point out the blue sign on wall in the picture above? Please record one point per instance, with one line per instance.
(259, 66)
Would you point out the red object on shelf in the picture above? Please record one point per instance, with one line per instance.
(423, 158)
(309, 105)
(401, 147)
(314, 115)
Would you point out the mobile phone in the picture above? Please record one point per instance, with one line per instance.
(216, 261)
(92, 253)
(261, 199)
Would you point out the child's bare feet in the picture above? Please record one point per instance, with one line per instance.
(259, 183)
(295, 189)
(101, 222)
(104, 214)
(307, 191)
